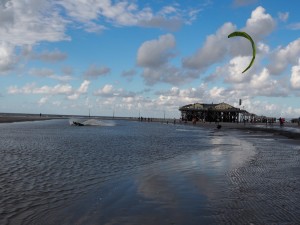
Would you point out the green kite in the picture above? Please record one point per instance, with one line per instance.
(245, 35)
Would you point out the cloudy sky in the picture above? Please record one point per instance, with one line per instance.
(148, 57)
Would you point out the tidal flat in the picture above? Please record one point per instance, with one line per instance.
(130, 172)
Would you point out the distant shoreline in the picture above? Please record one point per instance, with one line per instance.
(289, 130)
(13, 119)
(274, 129)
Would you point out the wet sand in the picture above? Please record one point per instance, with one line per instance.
(263, 186)
(289, 130)
(12, 119)
(23, 117)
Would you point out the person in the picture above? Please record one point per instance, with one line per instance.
(281, 121)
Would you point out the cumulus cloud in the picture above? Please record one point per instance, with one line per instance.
(48, 56)
(169, 100)
(233, 72)
(262, 84)
(217, 46)
(23, 24)
(260, 23)
(156, 53)
(93, 72)
(43, 100)
(84, 87)
(295, 76)
(48, 73)
(59, 89)
(213, 50)
(109, 91)
(282, 57)
(154, 57)
(7, 57)
(126, 13)
(28, 22)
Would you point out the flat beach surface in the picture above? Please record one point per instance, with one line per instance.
(149, 173)
(11, 118)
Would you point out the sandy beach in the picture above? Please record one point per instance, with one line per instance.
(246, 174)
(12, 119)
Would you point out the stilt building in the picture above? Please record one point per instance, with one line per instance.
(221, 112)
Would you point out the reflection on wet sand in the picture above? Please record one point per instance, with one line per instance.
(205, 176)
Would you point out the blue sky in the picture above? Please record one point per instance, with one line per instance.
(148, 58)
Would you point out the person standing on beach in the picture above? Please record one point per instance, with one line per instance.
(281, 121)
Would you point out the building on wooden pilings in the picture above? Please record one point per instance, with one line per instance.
(221, 112)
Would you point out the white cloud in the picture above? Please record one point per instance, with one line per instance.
(282, 57)
(259, 81)
(154, 57)
(213, 50)
(217, 45)
(43, 100)
(84, 87)
(25, 23)
(260, 24)
(28, 22)
(295, 77)
(59, 89)
(217, 92)
(233, 72)
(109, 90)
(156, 53)
(7, 57)
(125, 13)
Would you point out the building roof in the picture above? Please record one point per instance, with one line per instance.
(205, 107)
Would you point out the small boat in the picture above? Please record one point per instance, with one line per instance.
(77, 123)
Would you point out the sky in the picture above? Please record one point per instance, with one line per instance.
(148, 58)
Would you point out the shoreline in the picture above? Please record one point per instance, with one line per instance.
(289, 130)
(13, 119)
(241, 177)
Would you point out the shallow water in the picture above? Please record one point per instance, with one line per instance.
(54, 173)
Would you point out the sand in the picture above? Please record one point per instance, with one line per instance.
(264, 189)
(11, 119)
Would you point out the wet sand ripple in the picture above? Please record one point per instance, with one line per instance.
(265, 190)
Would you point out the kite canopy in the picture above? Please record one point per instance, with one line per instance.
(245, 35)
